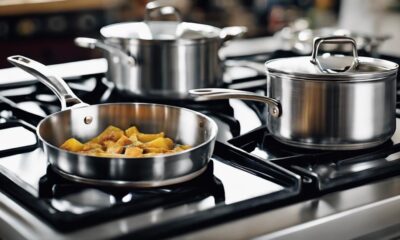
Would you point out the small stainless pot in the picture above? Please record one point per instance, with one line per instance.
(331, 102)
(163, 58)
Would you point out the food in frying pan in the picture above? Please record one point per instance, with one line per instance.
(114, 142)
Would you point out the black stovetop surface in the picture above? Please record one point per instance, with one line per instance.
(249, 172)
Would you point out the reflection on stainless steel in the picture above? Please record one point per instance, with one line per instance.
(393, 157)
(82, 202)
(236, 190)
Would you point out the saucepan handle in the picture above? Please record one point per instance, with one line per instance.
(92, 43)
(206, 94)
(52, 81)
(230, 33)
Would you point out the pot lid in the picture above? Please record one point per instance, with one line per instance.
(160, 30)
(332, 67)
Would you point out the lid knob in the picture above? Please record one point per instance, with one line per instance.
(334, 68)
(156, 6)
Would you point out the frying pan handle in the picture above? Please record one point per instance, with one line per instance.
(55, 83)
(206, 94)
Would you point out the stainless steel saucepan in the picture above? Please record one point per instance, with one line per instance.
(163, 58)
(81, 121)
(331, 102)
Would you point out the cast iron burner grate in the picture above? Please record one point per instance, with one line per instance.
(324, 171)
(52, 185)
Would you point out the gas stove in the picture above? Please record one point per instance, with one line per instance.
(250, 173)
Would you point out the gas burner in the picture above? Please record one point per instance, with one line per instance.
(328, 170)
(83, 200)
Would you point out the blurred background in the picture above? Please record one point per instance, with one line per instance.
(45, 29)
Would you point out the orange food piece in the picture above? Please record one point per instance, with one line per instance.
(143, 137)
(161, 142)
(91, 145)
(72, 145)
(130, 131)
(115, 149)
(123, 141)
(110, 133)
(134, 152)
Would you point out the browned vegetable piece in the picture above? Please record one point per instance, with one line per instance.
(114, 148)
(134, 152)
(161, 142)
(108, 143)
(185, 147)
(143, 137)
(181, 148)
(135, 141)
(72, 145)
(123, 141)
(153, 150)
(130, 131)
(91, 145)
(93, 152)
(110, 133)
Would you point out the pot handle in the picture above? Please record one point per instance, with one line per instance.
(230, 33)
(318, 41)
(156, 6)
(60, 88)
(206, 94)
(95, 43)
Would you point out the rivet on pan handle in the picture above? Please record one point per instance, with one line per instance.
(52, 81)
(206, 94)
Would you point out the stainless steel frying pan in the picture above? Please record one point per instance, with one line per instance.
(79, 120)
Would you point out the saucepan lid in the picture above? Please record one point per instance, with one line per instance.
(332, 66)
(160, 30)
